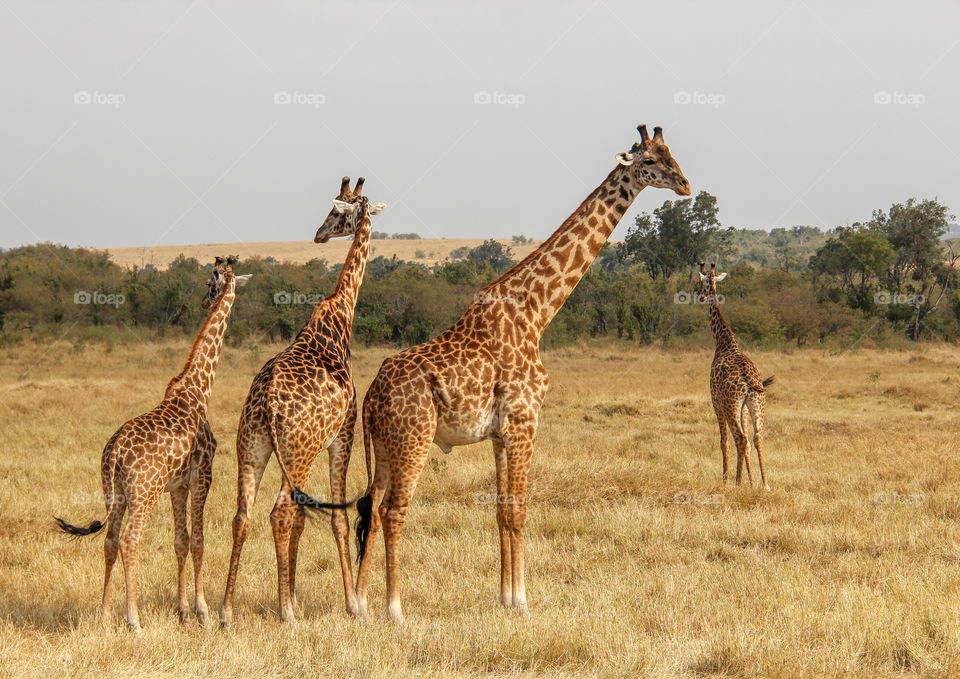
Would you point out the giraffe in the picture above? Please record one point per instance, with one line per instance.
(301, 402)
(735, 385)
(483, 378)
(169, 449)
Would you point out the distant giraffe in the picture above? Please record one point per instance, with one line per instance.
(303, 402)
(483, 379)
(169, 449)
(735, 385)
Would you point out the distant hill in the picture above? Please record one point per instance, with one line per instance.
(427, 251)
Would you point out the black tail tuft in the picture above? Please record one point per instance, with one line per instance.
(308, 502)
(767, 382)
(70, 529)
(362, 527)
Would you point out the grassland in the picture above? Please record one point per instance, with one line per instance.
(639, 563)
(427, 251)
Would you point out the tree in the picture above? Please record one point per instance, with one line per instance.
(677, 235)
(498, 256)
(854, 258)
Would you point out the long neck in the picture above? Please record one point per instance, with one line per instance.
(544, 280)
(722, 332)
(351, 275)
(197, 375)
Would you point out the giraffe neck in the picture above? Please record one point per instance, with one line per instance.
(543, 281)
(196, 379)
(345, 293)
(722, 332)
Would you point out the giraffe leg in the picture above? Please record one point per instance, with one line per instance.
(339, 452)
(725, 448)
(740, 440)
(111, 547)
(282, 519)
(198, 499)
(756, 405)
(252, 460)
(746, 441)
(503, 524)
(394, 514)
(296, 530)
(381, 481)
(129, 548)
(519, 436)
(181, 546)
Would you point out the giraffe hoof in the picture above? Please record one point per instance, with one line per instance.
(523, 609)
(135, 628)
(226, 617)
(395, 614)
(767, 488)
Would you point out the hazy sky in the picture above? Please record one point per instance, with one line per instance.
(152, 122)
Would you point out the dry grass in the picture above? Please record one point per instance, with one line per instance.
(639, 562)
(427, 251)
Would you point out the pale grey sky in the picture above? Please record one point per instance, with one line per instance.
(155, 122)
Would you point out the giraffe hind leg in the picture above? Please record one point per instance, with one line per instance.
(756, 405)
(746, 440)
(111, 548)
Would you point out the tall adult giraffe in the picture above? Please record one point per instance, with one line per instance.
(483, 379)
(735, 385)
(303, 402)
(169, 449)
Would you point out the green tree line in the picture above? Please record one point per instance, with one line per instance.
(886, 280)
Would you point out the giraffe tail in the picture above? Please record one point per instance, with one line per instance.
(109, 469)
(298, 496)
(767, 382)
(365, 503)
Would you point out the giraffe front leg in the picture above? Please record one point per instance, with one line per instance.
(725, 449)
(503, 524)
(519, 433)
(181, 545)
(198, 500)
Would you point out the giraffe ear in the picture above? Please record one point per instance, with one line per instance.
(720, 276)
(625, 158)
(376, 208)
(703, 276)
(242, 280)
(341, 207)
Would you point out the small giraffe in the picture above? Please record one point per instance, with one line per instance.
(735, 385)
(302, 402)
(483, 379)
(169, 449)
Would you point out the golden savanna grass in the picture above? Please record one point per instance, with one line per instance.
(427, 251)
(639, 562)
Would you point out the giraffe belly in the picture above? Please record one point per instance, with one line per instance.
(455, 429)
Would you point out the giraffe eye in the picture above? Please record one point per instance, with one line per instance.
(648, 161)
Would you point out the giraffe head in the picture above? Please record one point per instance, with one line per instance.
(350, 211)
(651, 164)
(221, 279)
(708, 281)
